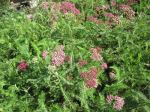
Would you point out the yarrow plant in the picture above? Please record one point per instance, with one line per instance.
(62, 72)
(118, 101)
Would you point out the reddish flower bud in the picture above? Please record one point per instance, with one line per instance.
(23, 66)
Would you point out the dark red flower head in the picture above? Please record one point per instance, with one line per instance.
(23, 65)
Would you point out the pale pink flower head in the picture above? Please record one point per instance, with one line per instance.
(96, 54)
(23, 65)
(82, 63)
(109, 99)
(104, 66)
(119, 103)
(58, 56)
(92, 73)
(44, 54)
(45, 5)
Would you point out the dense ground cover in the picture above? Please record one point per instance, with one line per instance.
(76, 56)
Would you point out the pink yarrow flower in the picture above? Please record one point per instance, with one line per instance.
(127, 10)
(96, 54)
(109, 99)
(91, 83)
(118, 102)
(69, 7)
(58, 56)
(44, 54)
(23, 65)
(112, 17)
(90, 77)
(92, 74)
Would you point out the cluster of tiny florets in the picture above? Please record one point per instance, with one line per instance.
(69, 7)
(58, 56)
(127, 10)
(90, 77)
(118, 101)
